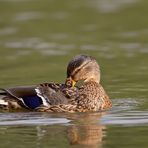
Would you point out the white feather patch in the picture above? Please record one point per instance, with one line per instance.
(39, 94)
(2, 102)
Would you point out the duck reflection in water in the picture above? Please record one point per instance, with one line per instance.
(86, 130)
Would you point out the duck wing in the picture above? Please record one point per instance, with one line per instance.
(52, 93)
(19, 91)
(32, 97)
(21, 96)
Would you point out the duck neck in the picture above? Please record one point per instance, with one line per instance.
(93, 79)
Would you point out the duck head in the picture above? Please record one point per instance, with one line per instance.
(82, 67)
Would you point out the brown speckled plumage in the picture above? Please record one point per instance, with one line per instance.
(89, 97)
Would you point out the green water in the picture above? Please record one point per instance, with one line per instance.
(38, 38)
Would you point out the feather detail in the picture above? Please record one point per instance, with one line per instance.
(51, 94)
(39, 94)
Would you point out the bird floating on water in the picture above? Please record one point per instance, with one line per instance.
(52, 97)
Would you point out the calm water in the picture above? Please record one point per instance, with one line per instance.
(38, 38)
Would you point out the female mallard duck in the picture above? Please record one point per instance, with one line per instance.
(66, 97)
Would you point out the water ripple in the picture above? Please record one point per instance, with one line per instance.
(26, 16)
(108, 6)
(29, 119)
(126, 118)
(8, 31)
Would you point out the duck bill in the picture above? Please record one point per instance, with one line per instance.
(73, 83)
(70, 82)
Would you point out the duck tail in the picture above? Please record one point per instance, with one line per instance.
(4, 100)
(3, 103)
(2, 91)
